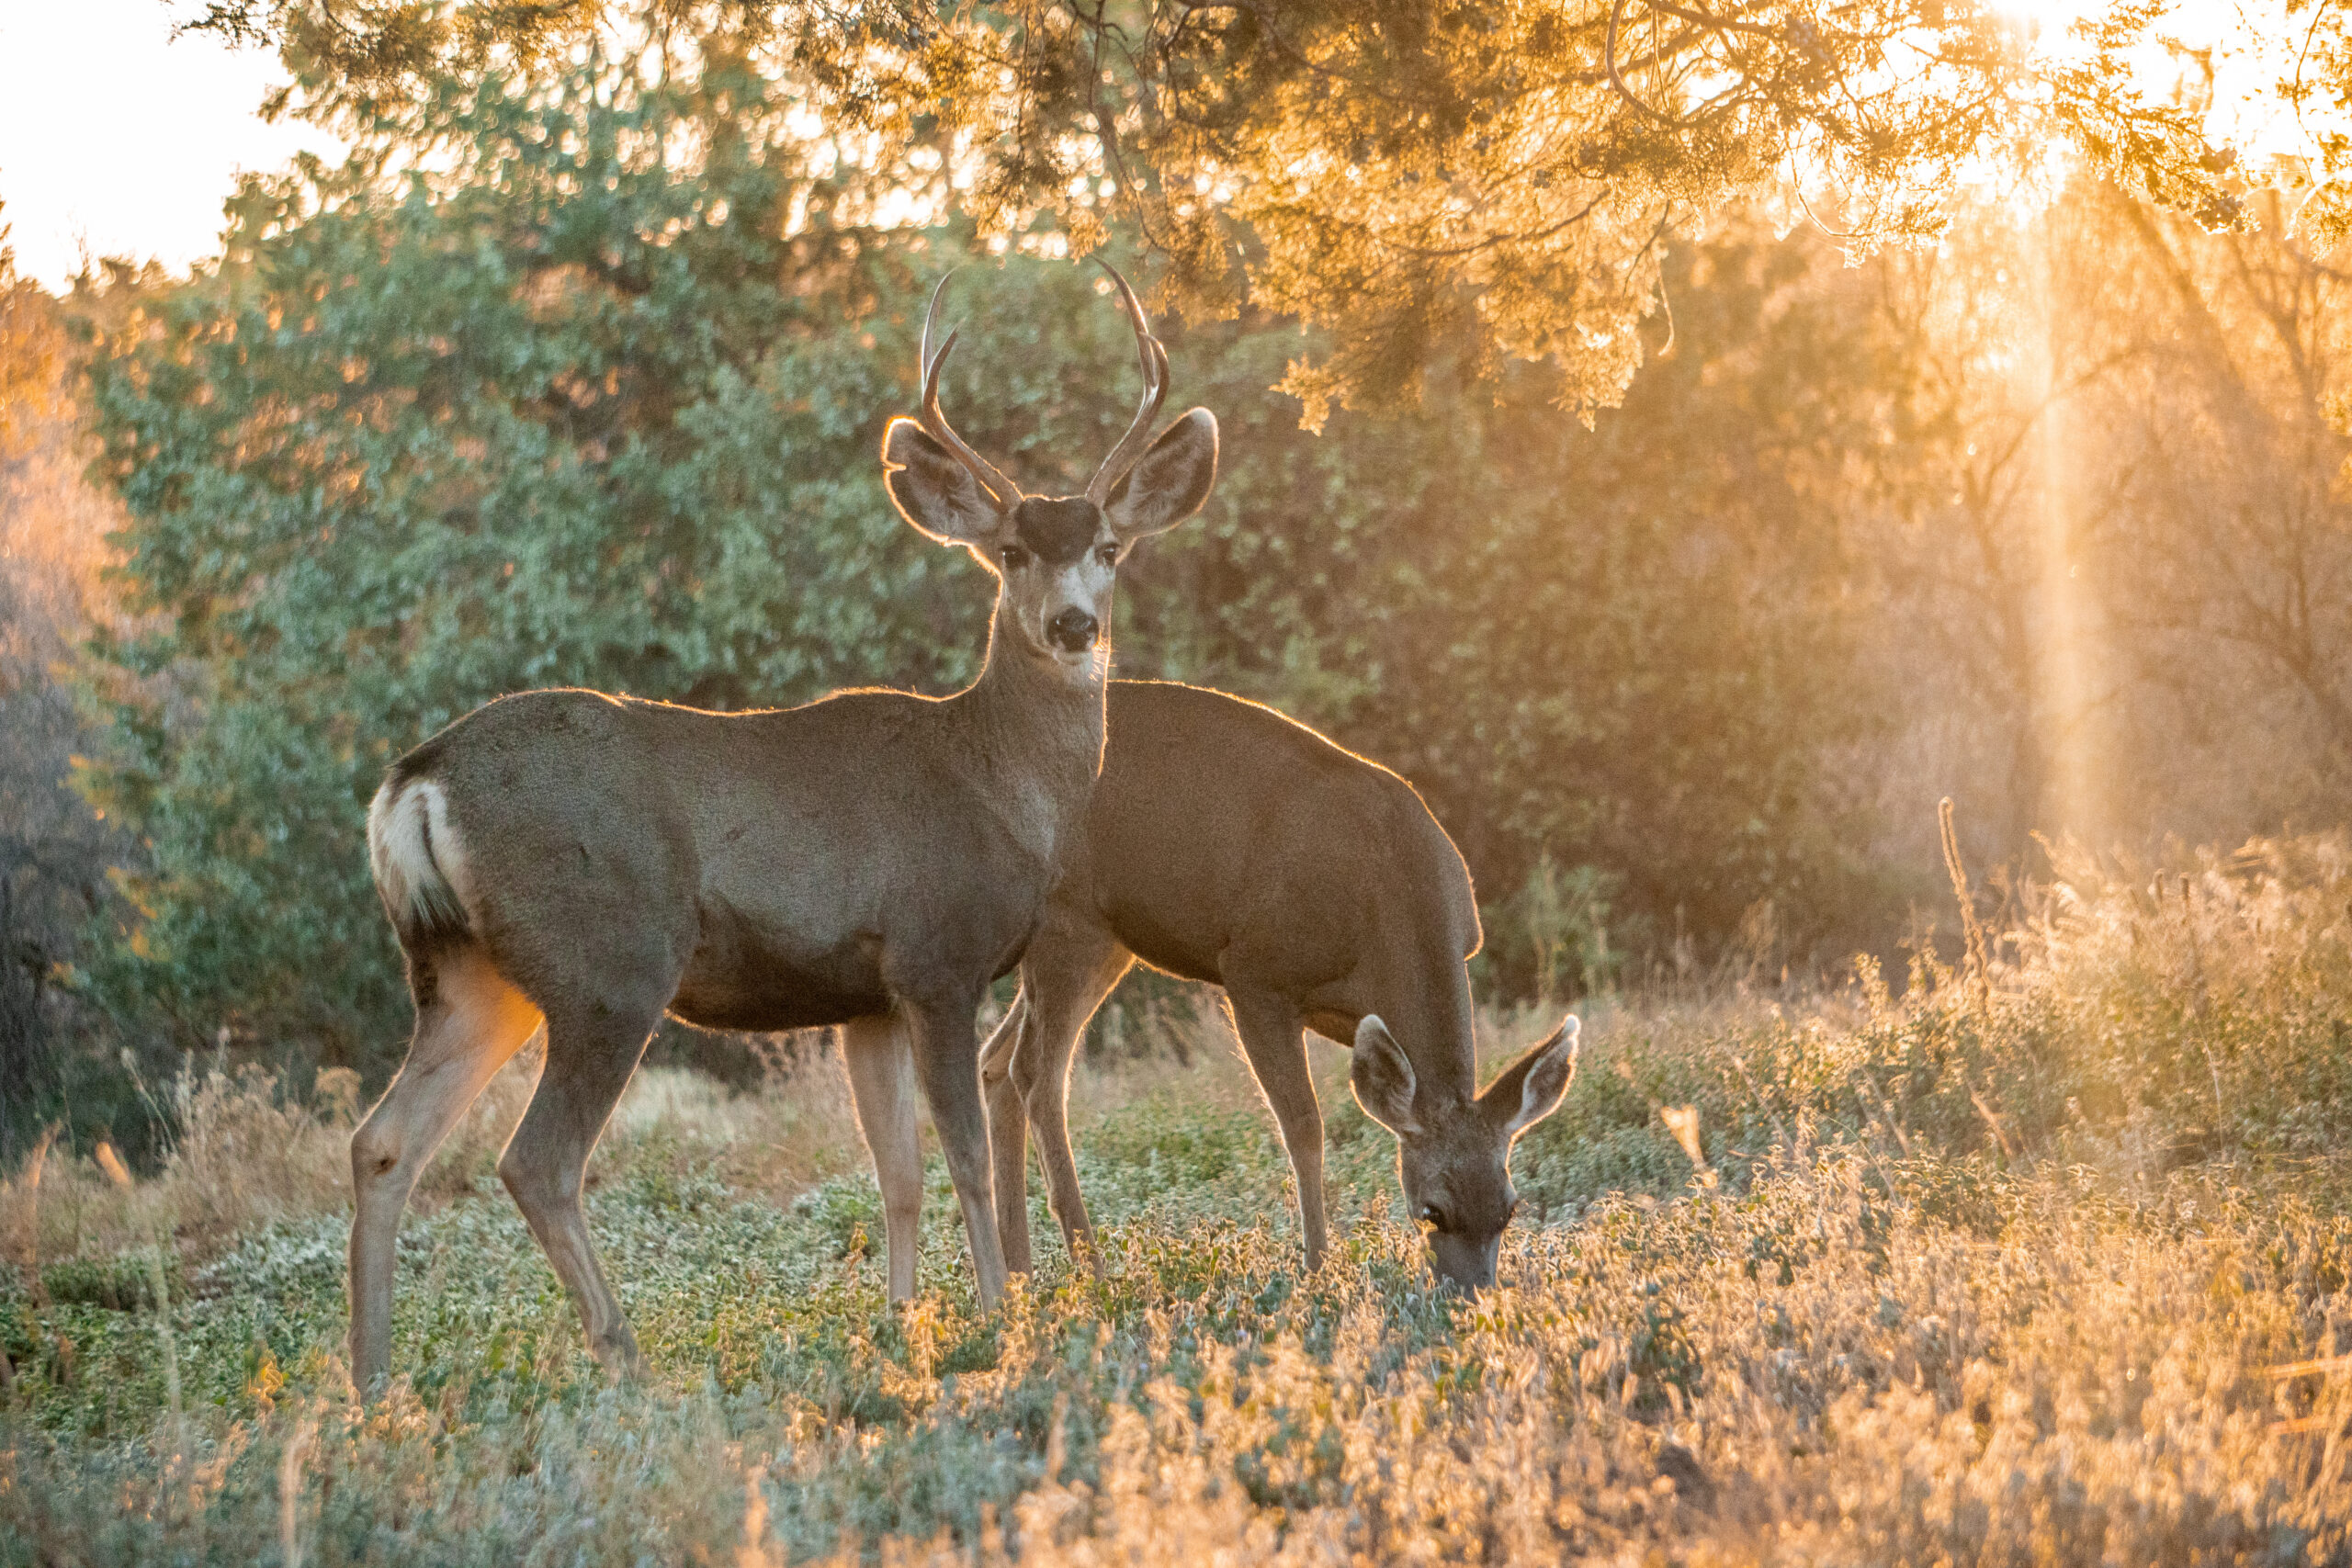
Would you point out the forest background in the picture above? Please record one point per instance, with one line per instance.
(1683, 568)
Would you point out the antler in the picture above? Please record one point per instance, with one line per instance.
(1001, 491)
(1155, 391)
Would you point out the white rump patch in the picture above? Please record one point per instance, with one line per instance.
(418, 861)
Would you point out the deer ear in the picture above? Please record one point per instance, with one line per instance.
(1169, 482)
(1532, 1088)
(1381, 1077)
(934, 491)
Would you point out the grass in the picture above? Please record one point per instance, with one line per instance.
(2053, 1267)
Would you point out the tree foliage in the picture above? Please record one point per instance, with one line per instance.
(1443, 187)
(53, 852)
(575, 418)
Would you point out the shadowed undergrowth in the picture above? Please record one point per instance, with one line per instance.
(2050, 1261)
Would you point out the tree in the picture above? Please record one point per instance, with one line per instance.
(1980, 364)
(569, 413)
(2117, 589)
(1442, 186)
(2226, 561)
(53, 852)
(1636, 647)
(593, 396)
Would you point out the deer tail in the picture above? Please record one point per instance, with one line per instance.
(419, 862)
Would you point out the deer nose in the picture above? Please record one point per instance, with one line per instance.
(1464, 1267)
(1073, 631)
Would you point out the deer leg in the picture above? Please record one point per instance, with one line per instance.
(1272, 1038)
(468, 1022)
(947, 1061)
(592, 1047)
(880, 1063)
(1008, 1134)
(1068, 979)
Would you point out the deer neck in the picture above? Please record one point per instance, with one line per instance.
(1034, 734)
(1435, 1023)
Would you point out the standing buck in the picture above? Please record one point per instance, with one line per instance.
(876, 856)
(1228, 844)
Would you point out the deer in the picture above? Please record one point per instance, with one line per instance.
(1228, 843)
(582, 862)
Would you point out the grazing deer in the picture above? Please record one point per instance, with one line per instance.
(873, 860)
(1228, 844)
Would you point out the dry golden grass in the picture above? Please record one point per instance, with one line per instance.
(2092, 1385)
(241, 1157)
(244, 1155)
(2052, 1271)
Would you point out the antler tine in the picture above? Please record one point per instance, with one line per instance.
(1153, 356)
(1000, 490)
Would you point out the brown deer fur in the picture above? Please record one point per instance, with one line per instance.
(593, 860)
(1226, 843)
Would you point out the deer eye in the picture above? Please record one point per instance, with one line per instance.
(1015, 557)
(1108, 555)
(1432, 1217)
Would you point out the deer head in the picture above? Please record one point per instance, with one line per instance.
(1055, 558)
(1454, 1150)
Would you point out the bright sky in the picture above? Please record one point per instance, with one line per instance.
(115, 140)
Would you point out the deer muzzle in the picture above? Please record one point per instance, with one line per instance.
(1465, 1265)
(1073, 630)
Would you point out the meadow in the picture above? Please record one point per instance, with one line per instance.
(2044, 1256)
